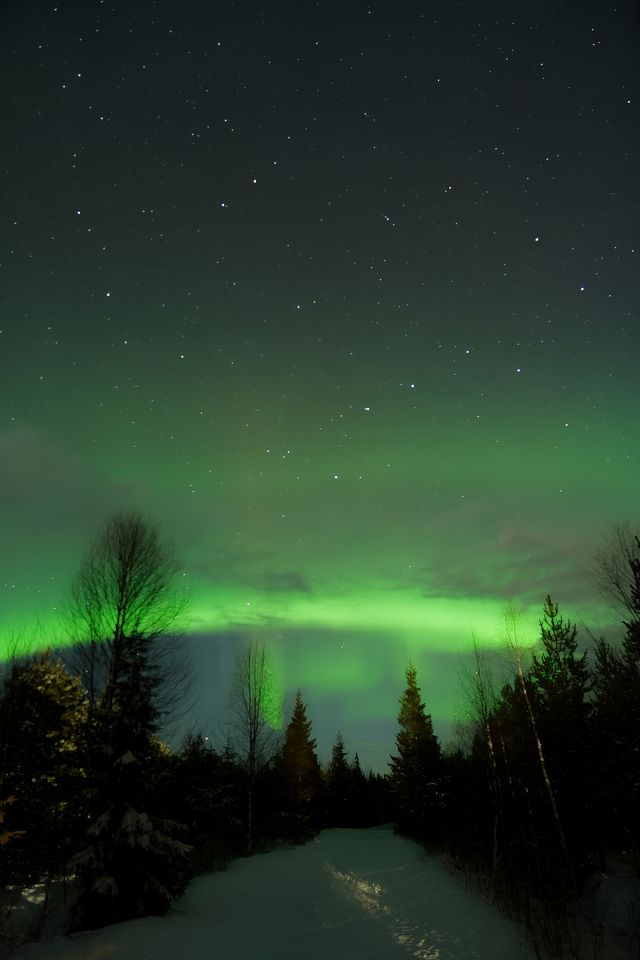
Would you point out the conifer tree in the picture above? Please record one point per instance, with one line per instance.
(560, 678)
(416, 768)
(356, 769)
(560, 682)
(300, 761)
(339, 763)
(360, 800)
(205, 791)
(525, 696)
(339, 783)
(617, 709)
(134, 860)
(43, 713)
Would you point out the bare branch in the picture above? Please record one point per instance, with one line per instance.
(254, 709)
(612, 573)
(126, 589)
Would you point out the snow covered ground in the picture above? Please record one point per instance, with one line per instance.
(352, 894)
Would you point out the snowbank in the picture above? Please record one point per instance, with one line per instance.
(352, 894)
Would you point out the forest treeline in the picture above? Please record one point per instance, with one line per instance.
(541, 789)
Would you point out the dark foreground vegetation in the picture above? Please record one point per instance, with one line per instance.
(542, 788)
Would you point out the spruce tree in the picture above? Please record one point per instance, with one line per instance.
(339, 784)
(617, 725)
(339, 763)
(300, 762)
(416, 768)
(560, 683)
(43, 713)
(356, 770)
(134, 861)
(362, 815)
(559, 676)
(205, 791)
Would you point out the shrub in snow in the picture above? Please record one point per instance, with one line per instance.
(134, 866)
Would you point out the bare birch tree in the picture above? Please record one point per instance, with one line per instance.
(612, 572)
(254, 709)
(125, 603)
(511, 621)
(125, 609)
(480, 699)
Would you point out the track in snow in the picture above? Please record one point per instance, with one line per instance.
(347, 895)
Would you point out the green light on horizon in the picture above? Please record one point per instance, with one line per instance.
(433, 622)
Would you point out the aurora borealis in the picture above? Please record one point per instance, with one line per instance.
(344, 298)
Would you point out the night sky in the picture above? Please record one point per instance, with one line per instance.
(343, 296)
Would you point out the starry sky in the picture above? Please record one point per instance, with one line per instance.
(344, 297)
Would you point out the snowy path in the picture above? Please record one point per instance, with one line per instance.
(348, 895)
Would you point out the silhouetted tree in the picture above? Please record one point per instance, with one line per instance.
(300, 760)
(480, 702)
(205, 789)
(612, 571)
(416, 767)
(339, 786)
(301, 772)
(526, 698)
(360, 796)
(126, 601)
(126, 595)
(255, 708)
(560, 683)
(617, 715)
(339, 764)
(43, 712)
(559, 676)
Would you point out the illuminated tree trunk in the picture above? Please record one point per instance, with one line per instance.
(511, 622)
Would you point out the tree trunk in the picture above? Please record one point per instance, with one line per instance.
(543, 769)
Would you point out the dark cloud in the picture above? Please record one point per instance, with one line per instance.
(45, 487)
(285, 581)
(257, 569)
(519, 559)
(53, 504)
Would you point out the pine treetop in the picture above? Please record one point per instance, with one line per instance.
(415, 738)
(299, 726)
(559, 672)
(298, 753)
(339, 764)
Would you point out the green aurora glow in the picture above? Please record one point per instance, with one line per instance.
(372, 383)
